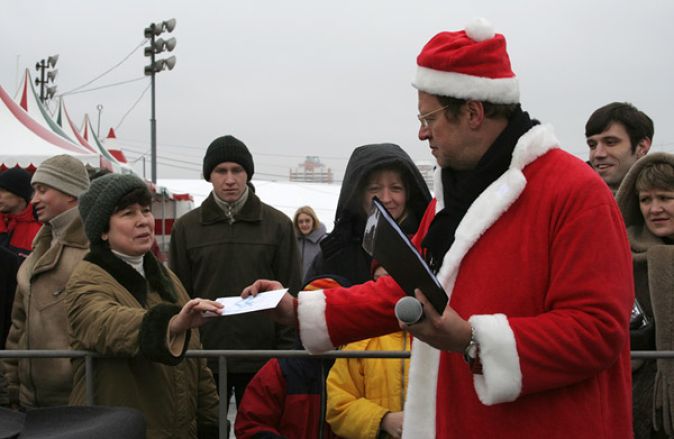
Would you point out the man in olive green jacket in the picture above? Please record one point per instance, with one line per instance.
(38, 313)
(225, 245)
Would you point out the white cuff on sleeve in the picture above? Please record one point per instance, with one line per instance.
(501, 379)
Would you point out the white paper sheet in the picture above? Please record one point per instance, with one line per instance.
(237, 305)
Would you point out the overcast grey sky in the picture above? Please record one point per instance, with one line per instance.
(308, 77)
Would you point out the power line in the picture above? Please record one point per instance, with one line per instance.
(182, 160)
(203, 149)
(132, 107)
(106, 86)
(191, 166)
(107, 71)
(199, 168)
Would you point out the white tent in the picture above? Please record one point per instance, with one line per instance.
(26, 143)
(29, 101)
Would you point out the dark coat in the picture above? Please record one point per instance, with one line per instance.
(341, 251)
(214, 258)
(113, 310)
(9, 265)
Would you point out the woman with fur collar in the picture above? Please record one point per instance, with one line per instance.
(646, 200)
(124, 304)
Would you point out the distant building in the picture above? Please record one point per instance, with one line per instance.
(426, 169)
(312, 171)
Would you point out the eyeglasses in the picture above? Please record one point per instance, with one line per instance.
(423, 118)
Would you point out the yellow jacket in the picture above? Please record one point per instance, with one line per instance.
(362, 390)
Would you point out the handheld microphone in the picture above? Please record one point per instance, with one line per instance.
(409, 310)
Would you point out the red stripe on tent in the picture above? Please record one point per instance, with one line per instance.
(159, 226)
(24, 95)
(30, 168)
(105, 164)
(118, 154)
(77, 134)
(23, 117)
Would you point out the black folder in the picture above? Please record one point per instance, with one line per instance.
(389, 245)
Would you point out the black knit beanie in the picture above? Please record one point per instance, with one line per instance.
(98, 203)
(17, 181)
(228, 149)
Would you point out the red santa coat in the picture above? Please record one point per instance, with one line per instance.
(541, 267)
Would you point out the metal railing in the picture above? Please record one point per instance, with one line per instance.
(222, 355)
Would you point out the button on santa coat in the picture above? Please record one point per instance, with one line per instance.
(541, 267)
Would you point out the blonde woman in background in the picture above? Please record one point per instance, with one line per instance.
(309, 232)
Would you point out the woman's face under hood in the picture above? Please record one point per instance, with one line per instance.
(388, 186)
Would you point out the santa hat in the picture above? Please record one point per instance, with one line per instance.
(468, 64)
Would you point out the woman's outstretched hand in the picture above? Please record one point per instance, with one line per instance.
(192, 315)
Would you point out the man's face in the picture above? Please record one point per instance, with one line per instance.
(11, 203)
(449, 140)
(50, 202)
(611, 154)
(229, 181)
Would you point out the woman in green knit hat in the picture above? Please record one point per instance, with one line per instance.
(125, 305)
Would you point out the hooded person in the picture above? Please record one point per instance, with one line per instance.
(341, 251)
(126, 305)
(645, 198)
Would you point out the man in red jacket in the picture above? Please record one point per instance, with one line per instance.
(18, 225)
(531, 250)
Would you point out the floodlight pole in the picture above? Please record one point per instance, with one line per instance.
(153, 120)
(45, 77)
(151, 32)
(42, 67)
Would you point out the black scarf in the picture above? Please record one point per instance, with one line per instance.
(461, 188)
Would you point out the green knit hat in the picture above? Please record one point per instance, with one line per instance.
(98, 203)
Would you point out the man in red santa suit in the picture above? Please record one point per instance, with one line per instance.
(530, 247)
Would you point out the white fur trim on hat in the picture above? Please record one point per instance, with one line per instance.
(313, 327)
(480, 29)
(501, 379)
(458, 85)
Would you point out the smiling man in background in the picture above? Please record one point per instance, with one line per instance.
(617, 134)
(38, 314)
